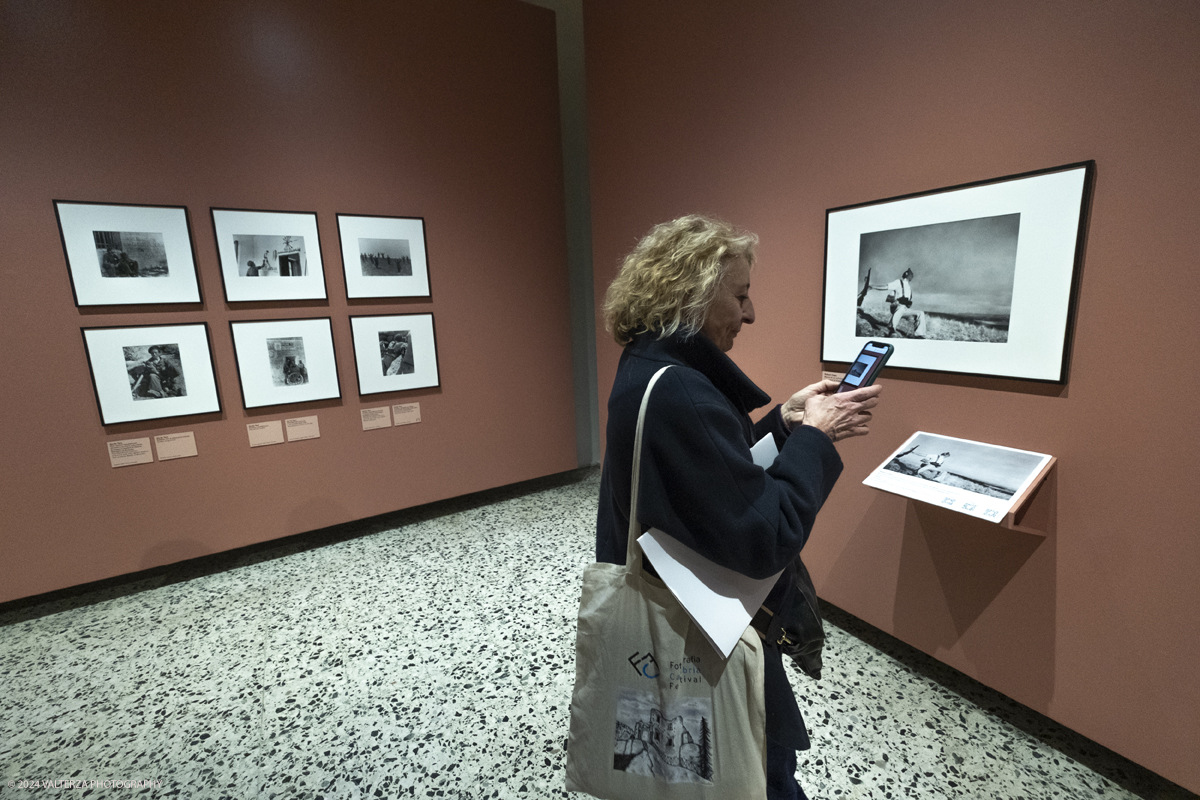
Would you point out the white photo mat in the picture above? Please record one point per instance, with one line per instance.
(373, 336)
(981, 480)
(286, 241)
(117, 355)
(158, 237)
(263, 349)
(1051, 205)
(373, 248)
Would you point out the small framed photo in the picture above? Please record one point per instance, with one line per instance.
(394, 353)
(127, 254)
(978, 279)
(285, 361)
(151, 371)
(384, 256)
(269, 255)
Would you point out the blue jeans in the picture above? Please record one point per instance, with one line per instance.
(781, 774)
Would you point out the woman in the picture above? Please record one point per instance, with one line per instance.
(681, 298)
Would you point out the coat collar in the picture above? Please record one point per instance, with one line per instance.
(699, 353)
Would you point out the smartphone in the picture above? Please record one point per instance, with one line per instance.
(866, 367)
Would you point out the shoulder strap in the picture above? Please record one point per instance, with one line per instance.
(633, 552)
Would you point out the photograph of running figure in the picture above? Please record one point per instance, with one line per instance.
(982, 469)
(950, 281)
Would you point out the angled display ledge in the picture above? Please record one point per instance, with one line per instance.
(1023, 505)
(981, 480)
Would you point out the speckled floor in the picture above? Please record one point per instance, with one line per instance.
(435, 659)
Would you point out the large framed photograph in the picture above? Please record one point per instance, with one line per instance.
(285, 361)
(269, 255)
(981, 480)
(151, 371)
(394, 353)
(979, 278)
(120, 254)
(384, 256)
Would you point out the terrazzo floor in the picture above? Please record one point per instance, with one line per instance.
(433, 659)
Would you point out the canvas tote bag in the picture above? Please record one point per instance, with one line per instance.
(656, 712)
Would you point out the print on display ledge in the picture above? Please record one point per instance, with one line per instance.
(384, 256)
(285, 361)
(979, 278)
(151, 371)
(393, 353)
(981, 480)
(127, 254)
(269, 255)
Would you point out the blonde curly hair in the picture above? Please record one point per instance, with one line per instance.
(670, 279)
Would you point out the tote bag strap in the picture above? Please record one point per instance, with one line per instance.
(633, 551)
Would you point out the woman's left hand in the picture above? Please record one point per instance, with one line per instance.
(793, 409)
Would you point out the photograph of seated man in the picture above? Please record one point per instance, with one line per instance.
(154, 372)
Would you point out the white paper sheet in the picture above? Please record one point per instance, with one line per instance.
(720, 601)
(764, 451)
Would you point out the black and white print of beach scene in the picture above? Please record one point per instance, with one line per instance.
(962, 280)
(673, 744)
(385, 257)
(980, 468)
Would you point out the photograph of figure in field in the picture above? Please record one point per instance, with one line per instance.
(261, 256)
(129, 254)
(385, 257)
(983, 469)
(951, 281)
(155, 371)
(287, 361)
(396, 352)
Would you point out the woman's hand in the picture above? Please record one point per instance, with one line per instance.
(793, 409)
(844, 415)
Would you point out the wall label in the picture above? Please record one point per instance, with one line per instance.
(127, 452)
(264, 433)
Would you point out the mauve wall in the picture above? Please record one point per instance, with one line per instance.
(768, 114)
(446, 109)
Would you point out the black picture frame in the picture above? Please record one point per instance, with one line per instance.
(285, 361)
(131, 383)
(1001, 261)
(291, 267)
(400, 267)
(128, 253)
(383, 341)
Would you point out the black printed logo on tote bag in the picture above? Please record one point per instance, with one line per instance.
(644, 665)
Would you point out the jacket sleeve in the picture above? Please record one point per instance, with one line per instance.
(699, 484)
(772, 423)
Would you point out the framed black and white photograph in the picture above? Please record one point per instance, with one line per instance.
(285, 361)
(269, 255)
(981, 480)
(978, 279)
(127, 254)
(394, 353)
(384, 256)
(151, 371)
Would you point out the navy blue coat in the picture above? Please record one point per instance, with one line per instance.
(700, 485)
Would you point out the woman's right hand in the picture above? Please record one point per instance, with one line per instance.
(841, 416)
